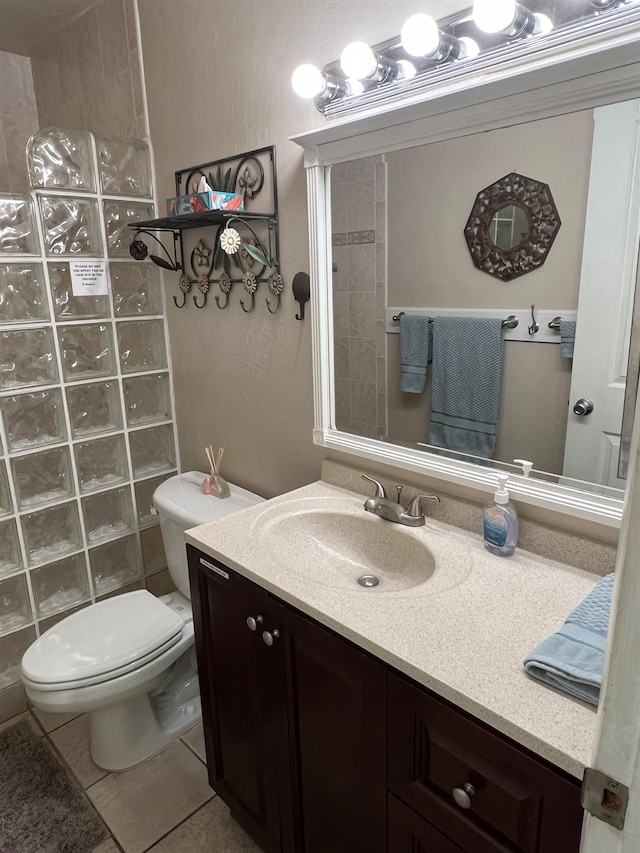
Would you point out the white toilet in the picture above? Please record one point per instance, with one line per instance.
(129, 661)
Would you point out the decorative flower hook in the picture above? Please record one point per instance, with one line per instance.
(203, 286)
(250, 284)
(184, 284)
(276, 286)
(225, 286)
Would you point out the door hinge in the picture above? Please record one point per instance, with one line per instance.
(604, 797)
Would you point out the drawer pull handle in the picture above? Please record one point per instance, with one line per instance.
(252, 623)
(269, 636)
(462, 796)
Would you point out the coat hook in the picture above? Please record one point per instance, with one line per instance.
(535, 326)
(301, 291)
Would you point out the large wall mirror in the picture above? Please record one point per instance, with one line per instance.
(392, 222)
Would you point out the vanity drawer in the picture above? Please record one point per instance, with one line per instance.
(507, 800)
(409, 833)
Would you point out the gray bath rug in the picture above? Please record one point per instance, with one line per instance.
(42, 810)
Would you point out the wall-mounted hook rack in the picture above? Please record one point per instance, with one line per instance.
(253, 174)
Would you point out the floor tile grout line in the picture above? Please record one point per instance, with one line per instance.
(179, 824)
(191, 749)
(71, 773)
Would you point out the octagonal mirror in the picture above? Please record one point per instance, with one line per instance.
(512, 226)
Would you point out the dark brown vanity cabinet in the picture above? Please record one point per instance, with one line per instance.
(318, 747)
(294, 719)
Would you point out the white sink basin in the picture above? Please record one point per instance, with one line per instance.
(334, 543)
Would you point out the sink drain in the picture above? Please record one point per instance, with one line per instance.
(368, 580)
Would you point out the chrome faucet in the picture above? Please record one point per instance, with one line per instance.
(380, 505)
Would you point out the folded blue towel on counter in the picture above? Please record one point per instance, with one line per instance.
(572, 659)
(567, 337)
(467, 383)
(415, 352)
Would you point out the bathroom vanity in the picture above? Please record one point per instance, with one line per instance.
(398, 717)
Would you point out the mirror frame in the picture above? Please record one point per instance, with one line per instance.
(601, 66)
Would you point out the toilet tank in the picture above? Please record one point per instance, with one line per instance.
(181, 504)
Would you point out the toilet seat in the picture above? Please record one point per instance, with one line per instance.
(102, 642)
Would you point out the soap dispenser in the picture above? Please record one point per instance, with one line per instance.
(500, 522)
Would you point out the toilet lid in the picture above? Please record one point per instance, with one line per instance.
(113, 634)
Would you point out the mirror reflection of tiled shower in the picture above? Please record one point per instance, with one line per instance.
(86, 429)
(358, 237)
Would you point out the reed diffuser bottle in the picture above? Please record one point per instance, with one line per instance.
(215, 483)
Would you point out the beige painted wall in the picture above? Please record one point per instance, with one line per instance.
(432, 189)
(218, 83)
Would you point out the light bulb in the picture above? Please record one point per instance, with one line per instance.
(406, 70)
(544, 24)
(358, 61)
(494, 16)
(470, 48)
(420, 35)
(354, 87)
(308, 81)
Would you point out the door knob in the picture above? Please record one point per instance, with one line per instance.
(270, 636)
(253, 622)
(583, 406)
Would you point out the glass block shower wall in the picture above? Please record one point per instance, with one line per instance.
(86, 430)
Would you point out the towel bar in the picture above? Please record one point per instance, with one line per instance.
(510, 323)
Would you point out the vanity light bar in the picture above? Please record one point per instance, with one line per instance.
(427, 49)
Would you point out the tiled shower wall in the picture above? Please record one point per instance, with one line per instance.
(88, 77)
(86, 431)
(358, 215)
(18, 120)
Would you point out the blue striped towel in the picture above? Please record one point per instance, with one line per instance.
(572, 659)
(567, 337)
(415, 352)
(467, 383)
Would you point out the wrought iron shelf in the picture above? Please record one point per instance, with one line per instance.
(255, 259)
(198, 220)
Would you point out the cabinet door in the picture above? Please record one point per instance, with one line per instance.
(234, 668)
(480, 790)
(336, 699)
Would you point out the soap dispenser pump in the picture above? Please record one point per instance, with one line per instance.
(500, 522)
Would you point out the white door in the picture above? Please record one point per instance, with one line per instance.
(617, 746)
(607, 284)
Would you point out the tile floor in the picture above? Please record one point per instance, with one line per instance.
(164, 805)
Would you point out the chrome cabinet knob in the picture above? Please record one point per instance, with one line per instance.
(253, 622)
(583, 406)
(462, 796)
(269, 637)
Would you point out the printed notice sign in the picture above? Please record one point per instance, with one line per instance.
(88, 278)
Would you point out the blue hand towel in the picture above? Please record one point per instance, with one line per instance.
(467, 383)
(567, 337)
(572, 659)
(415, 352)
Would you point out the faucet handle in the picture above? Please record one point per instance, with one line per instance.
(414, 510)
(380, 490)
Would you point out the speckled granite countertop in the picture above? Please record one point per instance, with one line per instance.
(463, 633)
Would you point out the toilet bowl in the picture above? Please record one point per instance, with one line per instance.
(129, 661)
